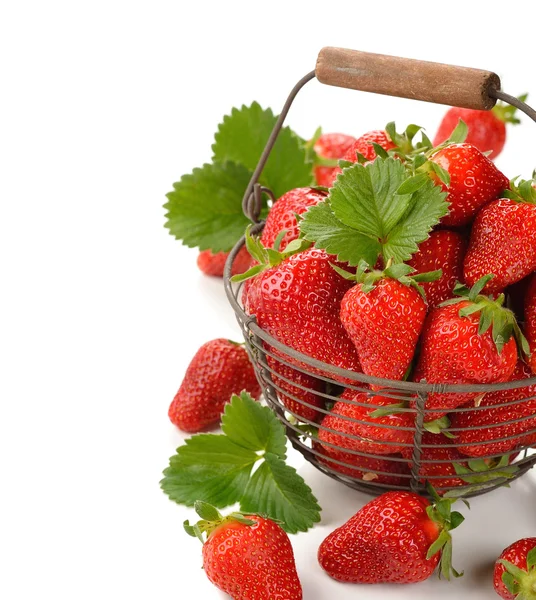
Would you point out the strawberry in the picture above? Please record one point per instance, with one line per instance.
(282, 216)
(360, 423)
(514, 575)
(486, 128)
(330, 146)
(248, 557)
(442, 464)
(474, 181)
(386, 470)
(503, 240)
(480, 432)
(219, 369)
(398, 537)
(213, 264)
(383, 315)
(443, 250)
(530, 319)
(364, 145)
(296, 299)
(459, 345)
(302, 403)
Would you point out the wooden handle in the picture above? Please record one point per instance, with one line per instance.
(407, 78)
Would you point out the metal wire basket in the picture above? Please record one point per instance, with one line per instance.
(300, 388)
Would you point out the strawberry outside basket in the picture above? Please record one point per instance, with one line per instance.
(419, 80)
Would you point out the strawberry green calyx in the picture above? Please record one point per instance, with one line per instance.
(398, 271)
(268, 257)
(479, 472)
(519, 582)
(522, 190)
(506, 112)
(211, 518)
(492, 314)
(441, 513)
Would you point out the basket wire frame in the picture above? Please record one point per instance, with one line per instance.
(283, 394)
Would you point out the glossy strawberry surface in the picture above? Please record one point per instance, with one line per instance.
(444, 250)
(517, 554)
(486, 131)
(213, 264)
(364, 145)
(503, 242)
(453, 351)
(282, 215)
(474, 181)
(330, 145)
(350, 425)
(384, 542)
(480, 431)
(384, 324)
(530, 319)
(289, 381)
(298, 303)
(252, 562)
(219, 369)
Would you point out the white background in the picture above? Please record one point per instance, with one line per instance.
(103, 105)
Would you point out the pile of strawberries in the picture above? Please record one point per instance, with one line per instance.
(459, 311)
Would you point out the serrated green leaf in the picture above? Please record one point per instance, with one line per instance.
(427, 207)
(321, 226)
(205, 207)
(276, 490)
(412, 184)
(253, 426)
(241, 138)
(210, 468)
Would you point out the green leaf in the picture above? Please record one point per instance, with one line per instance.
(241, 138)
(440, 542)
(442, 173)
(531, 559)
(459, 134)
(208, 467)
(364, 215)
(253, 426)
(206, 511)
(205, 207)
(277, 491)
(412, 184)
(514, 570)
(456, 519)
(320, 225)
(510, 582)
(427, 207)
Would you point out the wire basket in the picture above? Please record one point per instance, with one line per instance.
(302, 389)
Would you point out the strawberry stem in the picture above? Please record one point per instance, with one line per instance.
(211, 519)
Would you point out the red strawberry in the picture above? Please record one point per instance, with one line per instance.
(331, 146)
(385, 470)
(364, 145)
(486, 128)
(358, 428)
(297, 301)
(443, 250)
(530, 319)
(480, 425)
(219, 369)
(213, 264)
(460, 346)
(296, 399)
(503, 242)
(246, 556)
(514, 575)
(282, 215)
(383, 315)
(396, 538)
(474, 181)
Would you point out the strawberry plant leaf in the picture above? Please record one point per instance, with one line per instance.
(241, 138)
(531, 559)
(205, 207)
(277, 491)
(253, 426)
(365, 216)
(320, 225)
(208, 467)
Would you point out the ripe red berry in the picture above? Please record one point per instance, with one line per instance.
(514, 575)
(219, 369)
(333, 146)
(213, 264)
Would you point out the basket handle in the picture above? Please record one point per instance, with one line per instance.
(407, 78)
